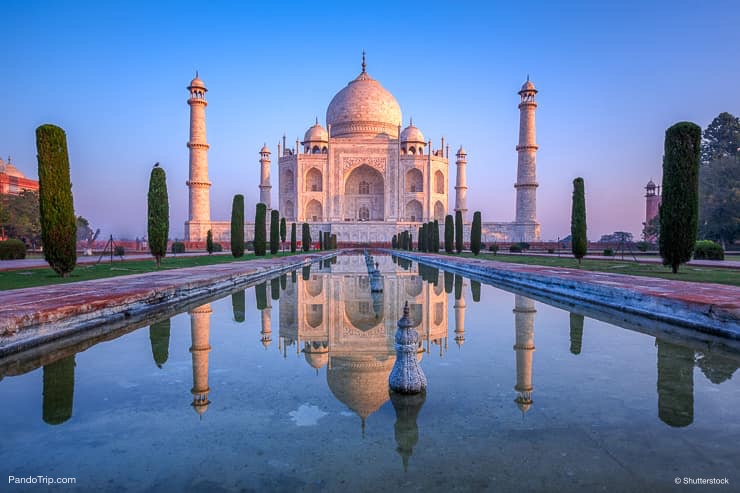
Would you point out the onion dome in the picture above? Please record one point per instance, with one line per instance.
(316, 133)
(412, 134)
(528, 86)
(461, 152)
(197, 83)
(316, 354)
(363, 108)
(265, 149)
(650, 184)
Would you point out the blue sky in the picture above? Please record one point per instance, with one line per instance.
(612, 77)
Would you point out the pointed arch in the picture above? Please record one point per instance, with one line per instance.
(314, 211)
(314, 180)
(414, 211)
(439, 211)
(439, 182)
(414, 181)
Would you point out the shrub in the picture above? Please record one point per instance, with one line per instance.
(209, 242)
(217, 247)
(708, 250)
(58, 221)
(493, 248)
(249, 245)
(178, 247)
(642, 246)
(608, 252)
(12, 250)
(515, 248)
(158, 225)
(550, 250)
(679, 209)
(119, 251)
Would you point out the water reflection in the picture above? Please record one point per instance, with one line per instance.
(238, 303)
(59, 389)
(406, 430)
(524, 312)
(159, 337)
(200, 330)
(675, 384)
(576, 333)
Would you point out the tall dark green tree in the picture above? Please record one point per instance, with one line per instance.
(458, 231)
(475, 233)
(283, 230)
(260, 230)
(422, 238)
(576, 333)
(679, 209)
(209, 242)
(159, 338)
(394, 243)
(237, 226)
(579, 240)
(274, 231)
(158, 224)
(721, 138)
(293, 239)
(306, 237)
(435, 236)
(58, 222)
(449, 234)
(321, 240)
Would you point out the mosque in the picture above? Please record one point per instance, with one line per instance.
(363, 177)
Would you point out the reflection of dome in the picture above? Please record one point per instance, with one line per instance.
(317, 133)
(360, 382)
(364, 107)
(523, 403)
(317, 354)
(412, 134)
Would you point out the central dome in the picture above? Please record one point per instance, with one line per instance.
(364, 109)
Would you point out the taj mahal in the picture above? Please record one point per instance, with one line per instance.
(363, 177)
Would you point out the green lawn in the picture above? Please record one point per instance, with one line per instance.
(685, 272)
(42, 276)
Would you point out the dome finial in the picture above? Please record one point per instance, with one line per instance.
(364, 65)
(317, 120)
(196, 73)
(527, 77)
(411, 121)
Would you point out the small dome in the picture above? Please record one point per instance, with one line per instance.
(265, 149)
(316, 133)
(650, 184)
(196, 82)
(10, 170)
(461, 152)
(317, 358)
(412, 134)
(528, 86)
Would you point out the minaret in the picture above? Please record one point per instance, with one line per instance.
(526, 185)
(200, 328)
(652, 204)
(265, 186)
(460, 318)
(199, 215)
(461, 186)
(524, 325)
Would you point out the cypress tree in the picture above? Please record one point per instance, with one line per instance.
(679, 209)
(327, 241)
(423, 238)
(449, 279)
(283, 281)
(274, 231)
(293, 239)
(449, 233)
(435, 236)
(458, 231)
(159, 338)
(576, 333)
(158, 224)
(321, 240)
(275, 288)
(394, 243)
(429, 242)
(238, 305)
(209, 242)
(410, 242)
(475, 233)
(56, 209)
(306, 237)
(475, 290)
(283, 231)
(59, 389)
(260, 230)
(237, 226)
(579, 240)
(333, 242)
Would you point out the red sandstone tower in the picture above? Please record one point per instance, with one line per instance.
(652, 204)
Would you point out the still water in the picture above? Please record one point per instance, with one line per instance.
(284, 387)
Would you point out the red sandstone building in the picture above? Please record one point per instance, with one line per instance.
(13, 182)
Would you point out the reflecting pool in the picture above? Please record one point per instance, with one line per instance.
(284, 387)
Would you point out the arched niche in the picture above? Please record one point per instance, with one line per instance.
(364, 191)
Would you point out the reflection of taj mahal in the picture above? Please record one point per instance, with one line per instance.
(363, 177)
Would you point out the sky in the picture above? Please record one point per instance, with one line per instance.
(612, 77)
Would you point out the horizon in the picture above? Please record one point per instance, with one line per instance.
(611, 80)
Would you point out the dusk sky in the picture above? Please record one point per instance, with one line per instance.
(612, 77)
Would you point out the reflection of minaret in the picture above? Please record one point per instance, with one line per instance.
(266, 331)
(407, 409)
(675, 384)
(59, 388)
(524, 324)
(460, 317)
(200, 328)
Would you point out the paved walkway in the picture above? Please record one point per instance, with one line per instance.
(33, 263)
(643, 259)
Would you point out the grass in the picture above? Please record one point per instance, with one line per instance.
(689, 273)
(42, 276)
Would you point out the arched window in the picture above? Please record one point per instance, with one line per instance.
(414, 181)
(439, 182)
(315, 150)
(314, 180)
(287, 183)
(364, 214)
(364, 188)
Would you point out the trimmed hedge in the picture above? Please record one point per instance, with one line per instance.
(708, 250)
(178, 247)
(12, 250)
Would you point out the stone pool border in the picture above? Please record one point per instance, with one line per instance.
(34, 316)
(705, 307)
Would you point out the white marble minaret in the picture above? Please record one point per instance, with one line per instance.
(461, 185)
(199, 215)
(526, 226)
(524, 312)
(265, 186)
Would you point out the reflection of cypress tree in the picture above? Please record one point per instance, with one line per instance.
(475, 290)
(283, 281)
(675, 384)
(237, 306)
(576, 333)
(407, 409)
(59, 388)
(458, 286)
(449, 280)
(306, 272)
(159, 337)
(294, 277)
(275, 288)
(260, 292)
(717, 368)
(434, 275)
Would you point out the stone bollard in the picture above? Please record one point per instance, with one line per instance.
(407, 376)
